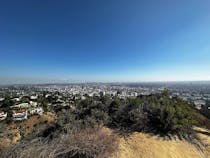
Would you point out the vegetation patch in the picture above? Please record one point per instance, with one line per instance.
(88, 143)
(81, 131)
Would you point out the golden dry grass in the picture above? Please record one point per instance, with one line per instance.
(204, 135)
(87, 143)
(140, 145)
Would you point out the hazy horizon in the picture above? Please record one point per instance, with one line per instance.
(43, 82)
(104, 41)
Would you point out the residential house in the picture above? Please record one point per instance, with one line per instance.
(20, 115)
(38, 110)
(3, 115)
(22, 105)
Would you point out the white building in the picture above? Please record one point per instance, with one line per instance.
(199, 104)
(33, 97)
(20, 115)
(38, 110)
(34, 104)
(83, 97)
(1, 99)
(3, 115)
(22, 105)
(16, 99)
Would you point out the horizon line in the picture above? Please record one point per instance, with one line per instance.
(100, 82)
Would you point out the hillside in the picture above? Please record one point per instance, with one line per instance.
(143, 145)
(154, 126)
(140, 145)
(16, 131)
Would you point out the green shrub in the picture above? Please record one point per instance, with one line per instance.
(172, 116)
(128, 116)
(158, 112)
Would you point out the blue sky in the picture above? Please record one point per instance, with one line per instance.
(104, 40)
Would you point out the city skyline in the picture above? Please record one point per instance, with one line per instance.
(104, 41)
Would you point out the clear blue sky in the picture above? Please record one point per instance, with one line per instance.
(104, 40)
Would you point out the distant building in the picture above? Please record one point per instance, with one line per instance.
(16, 99)
(38, 110)
(83, 97)
(34, 104)
(33, 97)
(20, 115)
(22, 105)
(3, 115)
(199, 104)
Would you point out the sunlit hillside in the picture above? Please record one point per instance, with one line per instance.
(141, 145)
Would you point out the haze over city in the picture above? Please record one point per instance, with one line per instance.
(104, 41)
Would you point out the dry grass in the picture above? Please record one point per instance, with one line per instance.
(204, 135)
(140, 145)
(27, 126)
(16, 131)
(88, 143)
(103, 143)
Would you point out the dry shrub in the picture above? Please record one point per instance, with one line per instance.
(88, 143)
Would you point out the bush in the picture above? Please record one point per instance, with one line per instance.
(128, 116)
(88, 143)
(91, 112)
(205, 110)
(173, 116)
(157, 112)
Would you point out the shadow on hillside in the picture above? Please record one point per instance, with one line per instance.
(150, 133)
(203, 132)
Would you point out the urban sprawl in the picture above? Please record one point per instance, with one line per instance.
(18, 102)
